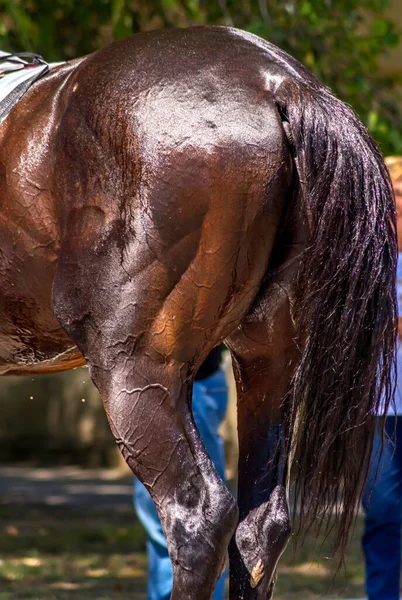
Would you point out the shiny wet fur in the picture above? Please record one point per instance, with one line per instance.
(181, 188)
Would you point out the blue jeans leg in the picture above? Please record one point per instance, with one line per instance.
(210, 398)
(382, 502)
(160, 575)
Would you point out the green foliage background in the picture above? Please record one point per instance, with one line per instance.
(340, 40)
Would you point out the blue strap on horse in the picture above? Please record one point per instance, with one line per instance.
(17, 73)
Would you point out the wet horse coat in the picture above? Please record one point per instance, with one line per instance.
(181, 188)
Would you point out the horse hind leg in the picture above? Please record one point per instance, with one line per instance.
(264, 354)
(145, 378)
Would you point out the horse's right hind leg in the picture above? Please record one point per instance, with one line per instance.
(264, 353)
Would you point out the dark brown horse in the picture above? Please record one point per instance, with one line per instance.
(177, 189)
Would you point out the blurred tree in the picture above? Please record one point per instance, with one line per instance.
(340, 40)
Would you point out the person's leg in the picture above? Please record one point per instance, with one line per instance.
(209, 407)
(210, 398)
(160, 574)
(382, 502)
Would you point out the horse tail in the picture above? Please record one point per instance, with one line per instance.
(347, 304)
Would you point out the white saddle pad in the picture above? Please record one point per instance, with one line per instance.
(16, 77)
(12, 80)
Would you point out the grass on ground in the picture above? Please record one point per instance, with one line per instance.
(61, 554)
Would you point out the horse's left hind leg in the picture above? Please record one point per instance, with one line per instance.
(143, 349)
(263, 354)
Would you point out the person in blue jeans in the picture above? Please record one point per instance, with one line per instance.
(382, 496)
(210, 397)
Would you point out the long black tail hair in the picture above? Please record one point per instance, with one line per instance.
(347, 298)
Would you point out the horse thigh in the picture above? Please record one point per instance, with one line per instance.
(263, 351)
(145, 383)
